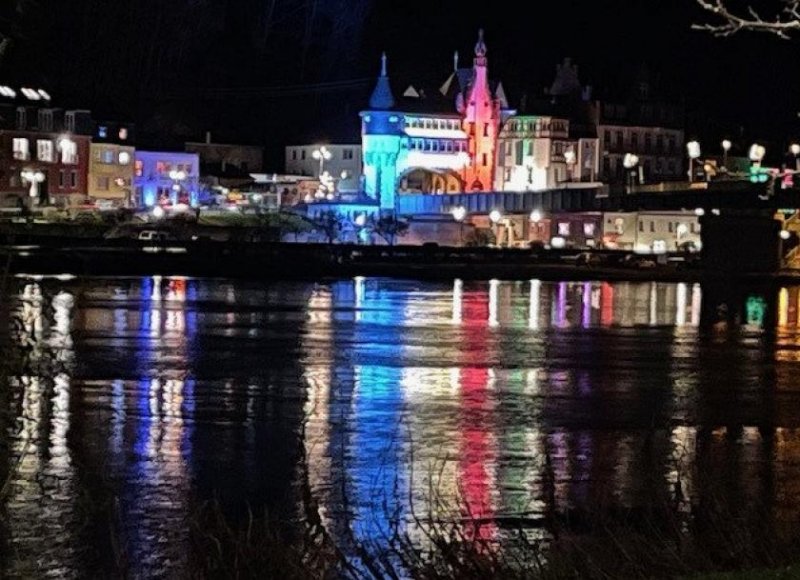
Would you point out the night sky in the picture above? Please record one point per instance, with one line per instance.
(277, 71)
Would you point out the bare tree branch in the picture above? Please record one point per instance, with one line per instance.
(782, 24)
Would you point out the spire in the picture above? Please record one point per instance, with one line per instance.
(455, 61)
(382, 98)
(480, 46)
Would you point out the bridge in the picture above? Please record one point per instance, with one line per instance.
(722, 195)
(740, 234)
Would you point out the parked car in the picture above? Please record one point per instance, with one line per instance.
(152, 236)
(638, 262)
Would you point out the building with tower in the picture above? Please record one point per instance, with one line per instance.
(440, 141)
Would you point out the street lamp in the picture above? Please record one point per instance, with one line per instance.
(536, 216)
(459, 213)
(630, 161)
(571, 159)
(495, 216)
(693, 150)
(177, 176)
(726, 147)
(794, 149)
(322, 154)
(34, 178)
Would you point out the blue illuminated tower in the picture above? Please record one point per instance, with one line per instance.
(381, 135)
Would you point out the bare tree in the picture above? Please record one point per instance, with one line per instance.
(782, 21)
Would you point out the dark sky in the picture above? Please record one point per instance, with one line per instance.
(270, 71)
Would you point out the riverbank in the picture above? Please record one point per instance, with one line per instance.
(260, 260)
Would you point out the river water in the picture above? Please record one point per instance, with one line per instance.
(384, 400)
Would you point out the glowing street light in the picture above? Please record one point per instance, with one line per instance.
(794, 149)
(726, 147)
(158, 212)
(34, 178)
(693, 150)
(322, 154)
(629, 162)
(459, 214)
(536, 216)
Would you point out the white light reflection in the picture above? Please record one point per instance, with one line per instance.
(680, 309)
(458, 299)
(697, 294)
(494, 285)
(533, 309)
(653, 320)
(359, 286)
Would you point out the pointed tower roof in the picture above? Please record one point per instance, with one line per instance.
(382, 97)
(480, 46)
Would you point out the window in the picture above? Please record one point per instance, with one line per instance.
(69, 151)
(102, 131)
(69, 121)
(138, 168)
(303, 155)
(620, 140)
(163, 168)
(73, 179)
(123, 134)
(485, 160)
(21, 151)
(607, 138)
(107, 156)
(670, 227)
(124, 158)
(530, 147)
(619, 225)
(652, 226)
(486, 130)
(22, 118)
(692, 227)
(641, 226)
(294, 154)
(660, 143)
(44, 150)
(588, 228)
(103, 183)
(508, 149)
(648, 142)
(347, 154)
(563, 228)
(61, 179)
(634, 141)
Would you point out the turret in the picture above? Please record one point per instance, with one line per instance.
(381, 133)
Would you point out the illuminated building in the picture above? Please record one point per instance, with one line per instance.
(50, 143)
(111, 162)
(443, 142)
(166, 178)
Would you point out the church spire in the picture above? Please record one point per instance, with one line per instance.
(382, 98)
(480, 46)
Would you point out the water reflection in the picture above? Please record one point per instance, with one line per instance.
(487, 405)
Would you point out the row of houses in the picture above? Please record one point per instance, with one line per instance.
(66, 158)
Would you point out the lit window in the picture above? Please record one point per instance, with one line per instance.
(163, 168)
(588, 228)
(107, 156)
(44, 150)
(21, 150)
(69, 151)
(138, 168)
(124, 158)
(102, 131)
(563, 228)
(123, 134)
